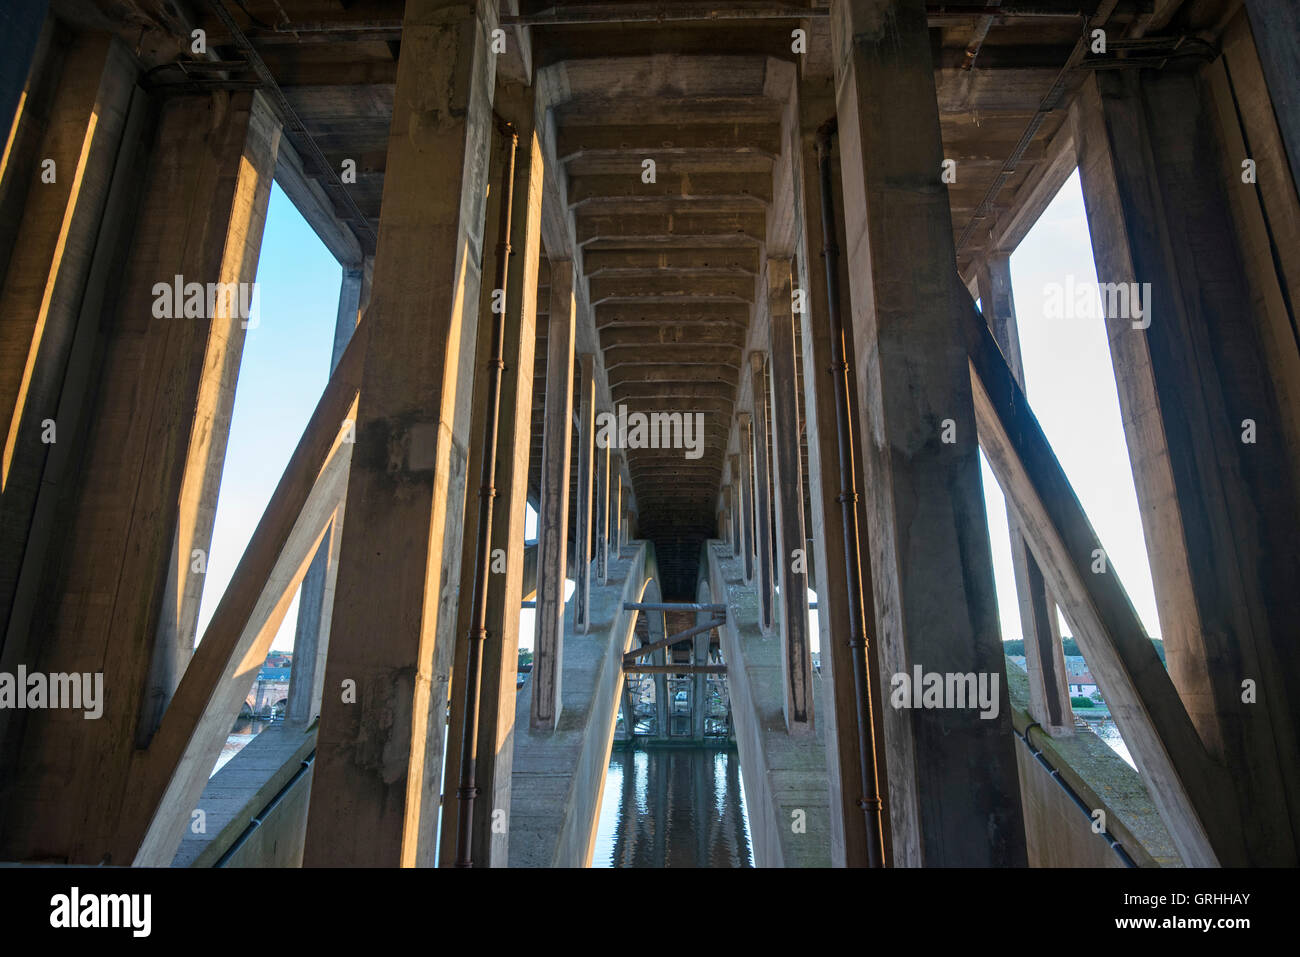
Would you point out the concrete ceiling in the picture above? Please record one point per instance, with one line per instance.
(670, 266)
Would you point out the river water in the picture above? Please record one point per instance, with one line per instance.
(673, 807)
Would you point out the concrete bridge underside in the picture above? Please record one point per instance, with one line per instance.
(756, 231)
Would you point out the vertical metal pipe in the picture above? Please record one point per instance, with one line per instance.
(478, 633)
(848, 498)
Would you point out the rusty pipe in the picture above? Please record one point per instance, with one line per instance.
(478, 633)
(870, 801)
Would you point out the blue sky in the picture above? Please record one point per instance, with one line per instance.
(1068, 375)
(285, 365)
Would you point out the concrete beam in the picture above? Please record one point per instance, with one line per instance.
(667, 141)
(597, 261)
(669, 184)
(310, 199)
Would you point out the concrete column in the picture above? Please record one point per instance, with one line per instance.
(507, 582)
(154, 434)
(379, 754)
(311, 636)
(955, 798)
(602, 514)
(745, 431)
(620, 523)
(762, 495)
(1049, 694)
(583, 520)
(1218, 503)
(553, 513)
(787, 486)
(737, 516)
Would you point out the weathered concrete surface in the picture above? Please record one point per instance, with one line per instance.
(952, 777)
(157, 391)
(553, 508)
(243, 788)
(559, 775)
(784, 774)
(827, 545)
(1218, 509)
(87, 120)
(1189, 789)
(205, 462)
(378, 777)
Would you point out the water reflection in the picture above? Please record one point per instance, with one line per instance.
(673, 807)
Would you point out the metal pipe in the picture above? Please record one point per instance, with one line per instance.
(303, 767)
(870, 801)
(671, 640)
(478, 633)
(1073, 795)
(977, 39)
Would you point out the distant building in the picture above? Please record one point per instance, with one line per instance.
(270, 692)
